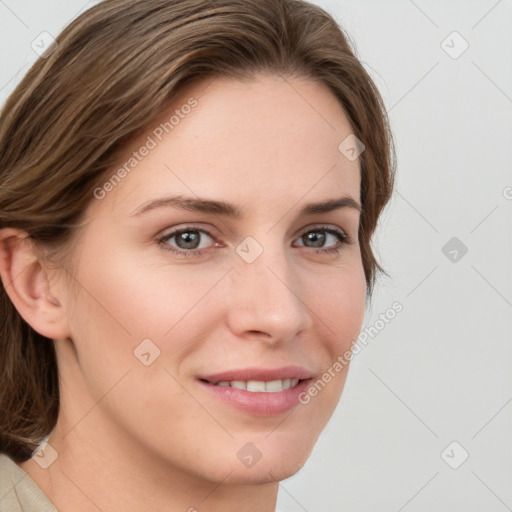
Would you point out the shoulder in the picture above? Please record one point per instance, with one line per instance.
(18, 492)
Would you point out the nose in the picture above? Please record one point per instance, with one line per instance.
(266, 301)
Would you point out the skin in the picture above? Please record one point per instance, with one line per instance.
(133, 437)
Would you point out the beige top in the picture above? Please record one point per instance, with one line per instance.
(18, 492)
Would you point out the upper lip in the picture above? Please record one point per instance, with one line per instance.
(259, 374)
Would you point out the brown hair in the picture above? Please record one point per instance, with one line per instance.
(114, 69)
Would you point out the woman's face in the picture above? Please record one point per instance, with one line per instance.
(205, 262)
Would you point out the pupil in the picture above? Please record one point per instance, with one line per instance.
(317, 239)
(188, 240)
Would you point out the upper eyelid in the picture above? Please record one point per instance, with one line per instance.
(168, 232)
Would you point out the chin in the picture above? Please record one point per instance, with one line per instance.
(265, 460)
(265, 472)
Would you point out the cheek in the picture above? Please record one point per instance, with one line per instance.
(116, 314)
(139, 300)
(343, 312)
(127, 303)
(339, 312)
(339, 305)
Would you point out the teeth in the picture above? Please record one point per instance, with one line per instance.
(259, 386)
(277, 385)
(256, 385)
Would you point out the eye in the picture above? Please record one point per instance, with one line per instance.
(324, 239)
(188, 240)
(193, 241)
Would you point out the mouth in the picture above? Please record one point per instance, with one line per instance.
(258, 391)
(259, 386)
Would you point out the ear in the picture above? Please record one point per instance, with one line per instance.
(27, 284)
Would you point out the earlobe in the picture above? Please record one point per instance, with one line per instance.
(27, 284)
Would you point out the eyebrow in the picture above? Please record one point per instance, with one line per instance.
(202, 205)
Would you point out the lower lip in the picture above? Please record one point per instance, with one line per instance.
(259, 403)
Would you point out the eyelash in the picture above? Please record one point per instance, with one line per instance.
(343, 239)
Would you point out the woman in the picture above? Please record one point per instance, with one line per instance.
(188, 195)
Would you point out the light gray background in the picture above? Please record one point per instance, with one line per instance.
(441, 370)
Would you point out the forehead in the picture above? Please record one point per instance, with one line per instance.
(265, 139)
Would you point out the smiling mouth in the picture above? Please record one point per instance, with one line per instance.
(258, 386)
(263, 392)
